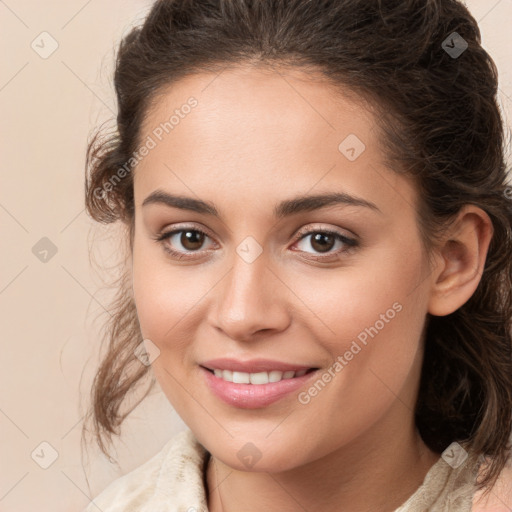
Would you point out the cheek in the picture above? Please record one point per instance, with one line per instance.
(166, 305)
(379, 295)
(170, 303)
(369, 318)
(161, 296)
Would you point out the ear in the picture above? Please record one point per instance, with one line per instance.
(460, 260)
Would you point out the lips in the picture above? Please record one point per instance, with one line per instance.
(253, 365)
(252, 395)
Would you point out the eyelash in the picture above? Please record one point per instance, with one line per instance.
(349, 243)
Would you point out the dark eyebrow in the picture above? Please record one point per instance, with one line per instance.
(315, 202)
(284, 209)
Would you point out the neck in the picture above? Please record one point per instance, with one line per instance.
(368, 475)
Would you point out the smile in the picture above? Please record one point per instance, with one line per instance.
(255, 390)
(257, 378)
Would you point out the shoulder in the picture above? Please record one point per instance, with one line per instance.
(499, 498)
(172, 476)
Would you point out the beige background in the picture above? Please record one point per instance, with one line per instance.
(50, 310)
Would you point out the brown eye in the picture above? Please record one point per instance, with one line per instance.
(191, 239)
(183, 242)
(322, 242)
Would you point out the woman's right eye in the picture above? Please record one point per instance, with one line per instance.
(191, 241)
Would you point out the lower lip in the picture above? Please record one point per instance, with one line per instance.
(253, 396)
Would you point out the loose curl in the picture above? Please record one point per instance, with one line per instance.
(440, 124)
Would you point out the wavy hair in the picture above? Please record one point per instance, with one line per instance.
(439, 122)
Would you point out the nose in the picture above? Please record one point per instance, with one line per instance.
(250, 299)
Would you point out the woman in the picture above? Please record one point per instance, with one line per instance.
(318, 261)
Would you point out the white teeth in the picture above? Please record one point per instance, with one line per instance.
(241, 378)
(259, 378)
(275, 376)
(256, 378)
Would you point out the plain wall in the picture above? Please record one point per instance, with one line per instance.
(48, 308)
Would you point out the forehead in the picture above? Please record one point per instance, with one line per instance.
(245, 102)
(258, 128)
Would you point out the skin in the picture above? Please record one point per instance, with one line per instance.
(257, 137)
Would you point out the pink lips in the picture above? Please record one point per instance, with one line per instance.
(253, 396)
(251, 366)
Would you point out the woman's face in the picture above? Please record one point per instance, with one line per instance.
(266, 281)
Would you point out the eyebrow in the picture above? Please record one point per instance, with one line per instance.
(288, 207)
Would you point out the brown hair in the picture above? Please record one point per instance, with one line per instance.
(440, 122)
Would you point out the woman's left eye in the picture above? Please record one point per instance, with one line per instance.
(193, 240)
(323, 241)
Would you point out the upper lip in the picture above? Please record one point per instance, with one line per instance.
(252, 365)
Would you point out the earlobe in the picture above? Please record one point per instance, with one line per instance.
(461, 259)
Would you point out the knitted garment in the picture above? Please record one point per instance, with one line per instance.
(173, 481)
